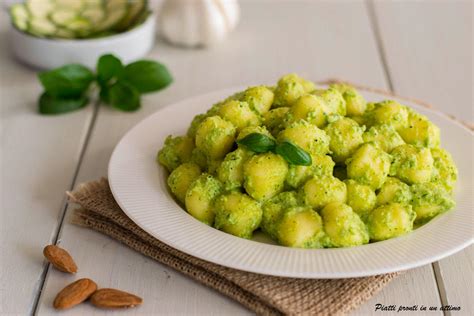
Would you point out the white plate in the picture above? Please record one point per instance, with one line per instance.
(139, 186)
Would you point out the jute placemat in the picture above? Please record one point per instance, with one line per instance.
(264, 295)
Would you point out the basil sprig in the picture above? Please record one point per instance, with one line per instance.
(67, 88)
(292, 153)
(258, 143)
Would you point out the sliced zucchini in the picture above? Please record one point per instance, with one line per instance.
(62, 17)
(20, 16)
(64, 33)
(115, 12)
(40, 8)
(135, 8)
(141, 18)
(93, 14)
(73, 5)
(41, 26)
(93, 3)
(65, 18)
(112, 5)
(79, 23)
(77, 18)
(81, 26)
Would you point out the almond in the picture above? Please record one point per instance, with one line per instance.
(111, 298)
(60, 258)
(75, 293)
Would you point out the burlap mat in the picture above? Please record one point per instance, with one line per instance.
(264, 295)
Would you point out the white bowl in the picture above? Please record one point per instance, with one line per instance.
(46, 53)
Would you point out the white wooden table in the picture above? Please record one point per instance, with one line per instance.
(417, 49)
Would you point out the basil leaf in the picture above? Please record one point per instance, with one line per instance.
(294, 154)
(108, 67)
(104, 94)
(70, 81)
(52, 105)
(257, 142)
(124, 97)
(147, 76)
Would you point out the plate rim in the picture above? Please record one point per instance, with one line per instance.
(314, 275)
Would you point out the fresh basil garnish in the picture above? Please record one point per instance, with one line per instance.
(108, 67)
(120, 86)
(52, 105)
(257, 142)
(147, 76)
(124, 97)
(70, 81)
(293, 154)
(261, 143)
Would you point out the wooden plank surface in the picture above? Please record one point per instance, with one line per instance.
(316, 39)
(38, 157)
(428, 49)
(431, 60)
(311, 40)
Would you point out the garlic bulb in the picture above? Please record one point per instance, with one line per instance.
(197, 22)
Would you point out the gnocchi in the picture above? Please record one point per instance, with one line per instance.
(345, 137)
(352, 171)
(412, 164)
(390, 220)
(237, 214)
(307, 136)
(264, 175)
(343, 226)
(369, 165)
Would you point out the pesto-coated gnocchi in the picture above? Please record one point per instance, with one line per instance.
(181, 178)
(385, 136)
(274, 208)
(335, 103)
(412, 164)
(237, 214)
(345, 137)
(307, 136)
(274, 119)
(429, 200)
(311, 167)
(239, 114)
(264, 175)
(390, 220)
(360, 197)
(310, 108)
(322, 166)
(369, 165)
(355, 102)
(231, 170)
(215, 137)
(388, 112)
(200, 197)
(343, 226)
(318, 192)
(259, 98)
(394, 191)
(445, 170)
(176, 151)
(289, 88)
(253, 129)
(301, 227)
(420, 131)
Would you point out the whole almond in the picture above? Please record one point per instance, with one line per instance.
(75, 293)
(111, 298)
(60, 258)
